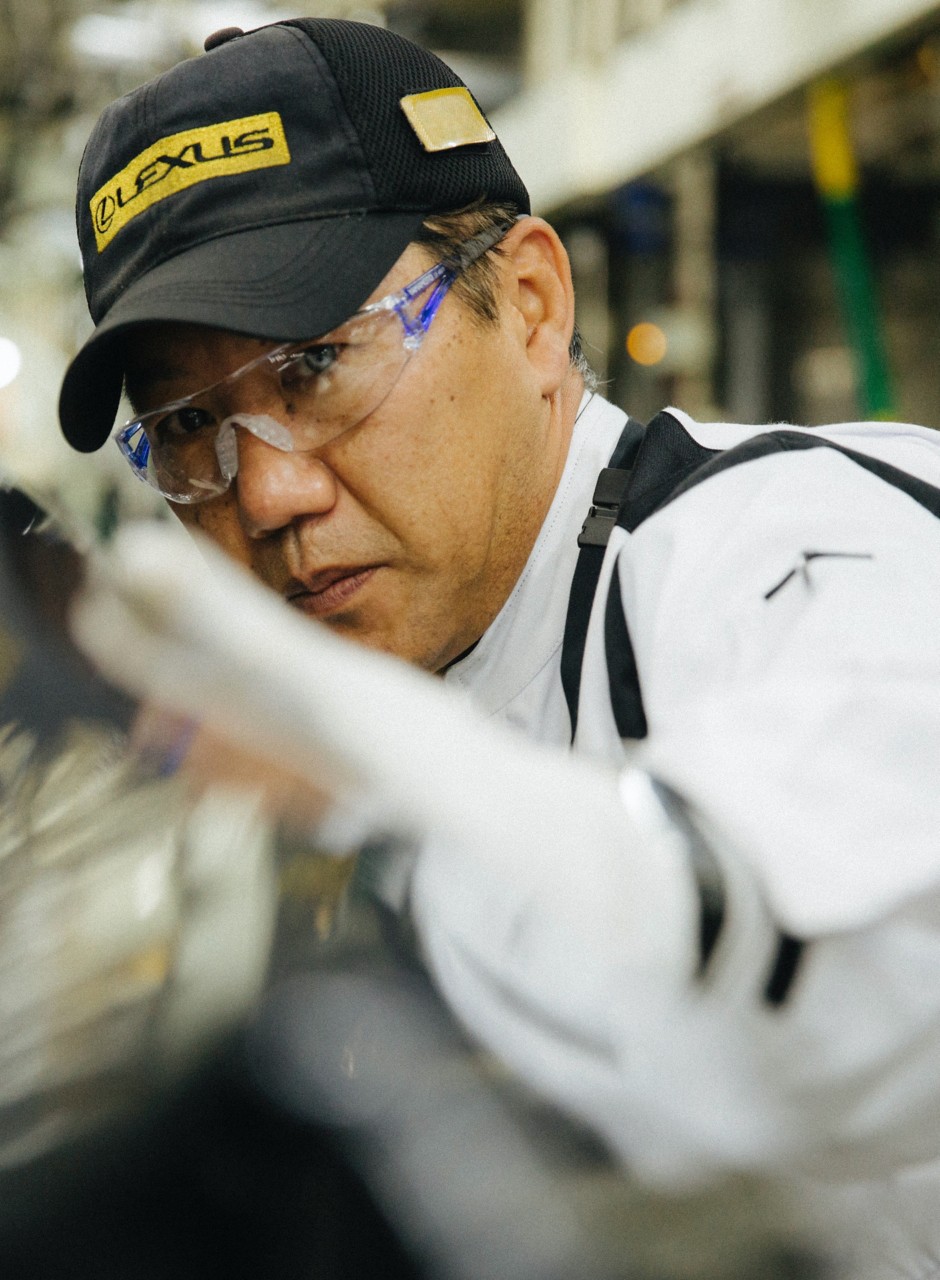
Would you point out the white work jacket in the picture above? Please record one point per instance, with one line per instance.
(784, 620)
(712, 930)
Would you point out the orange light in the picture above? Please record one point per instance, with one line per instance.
(646, 343)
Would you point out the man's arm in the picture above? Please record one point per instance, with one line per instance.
(557, 906)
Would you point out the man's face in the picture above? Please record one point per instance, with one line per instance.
(407, 532)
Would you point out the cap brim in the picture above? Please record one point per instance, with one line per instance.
(291, 281)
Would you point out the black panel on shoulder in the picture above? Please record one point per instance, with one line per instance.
(666, 458)
(784, 441)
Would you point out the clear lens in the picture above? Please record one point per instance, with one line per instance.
(184, 468)
(333, 383)
(319, 389)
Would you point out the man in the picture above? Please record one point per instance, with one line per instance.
(712, 932)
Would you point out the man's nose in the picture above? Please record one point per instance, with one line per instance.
(275, 487)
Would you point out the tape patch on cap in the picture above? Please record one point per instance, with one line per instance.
(446, 118)
(182, 160)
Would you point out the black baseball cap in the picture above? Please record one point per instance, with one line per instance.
(266, 187)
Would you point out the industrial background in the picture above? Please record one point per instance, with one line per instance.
(748, 188)
(750, 194)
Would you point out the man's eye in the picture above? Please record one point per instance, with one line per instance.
(184, 423)
(312, 362)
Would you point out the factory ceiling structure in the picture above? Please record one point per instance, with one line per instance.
(589, 97)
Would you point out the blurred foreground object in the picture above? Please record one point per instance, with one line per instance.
(216, 1060)
(134, 928)
(44, 680)
(482, 1179)
(135, 921)
(371, 1059)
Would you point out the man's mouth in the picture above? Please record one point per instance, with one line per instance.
(323, 593)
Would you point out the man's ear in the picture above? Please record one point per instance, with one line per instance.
(541, 297)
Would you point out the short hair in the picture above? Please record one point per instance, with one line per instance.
(445, 234)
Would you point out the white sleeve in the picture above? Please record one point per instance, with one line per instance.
(558, 902)
(790, 666)
(789, 658)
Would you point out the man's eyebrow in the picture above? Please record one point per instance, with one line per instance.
(141, 380)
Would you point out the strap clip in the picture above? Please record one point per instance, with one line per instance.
(608, 492)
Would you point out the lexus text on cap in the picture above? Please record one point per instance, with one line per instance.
(267, 187)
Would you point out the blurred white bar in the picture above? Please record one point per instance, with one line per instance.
(589, 123)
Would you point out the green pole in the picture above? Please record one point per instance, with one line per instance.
(836, 177)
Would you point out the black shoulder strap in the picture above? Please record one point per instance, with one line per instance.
(608, 493)
(667, 458)
(665, 462)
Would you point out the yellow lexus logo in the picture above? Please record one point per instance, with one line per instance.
(182, 160)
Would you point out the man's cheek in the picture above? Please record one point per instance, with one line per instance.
(219, 522)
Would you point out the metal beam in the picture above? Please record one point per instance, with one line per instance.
(704, 66)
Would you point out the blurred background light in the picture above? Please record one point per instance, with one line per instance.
(119, 38)
(646, 343)
(10, 361)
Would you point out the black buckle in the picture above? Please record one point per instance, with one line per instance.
(608, 493)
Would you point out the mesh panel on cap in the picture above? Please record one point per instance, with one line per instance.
(374, 69)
